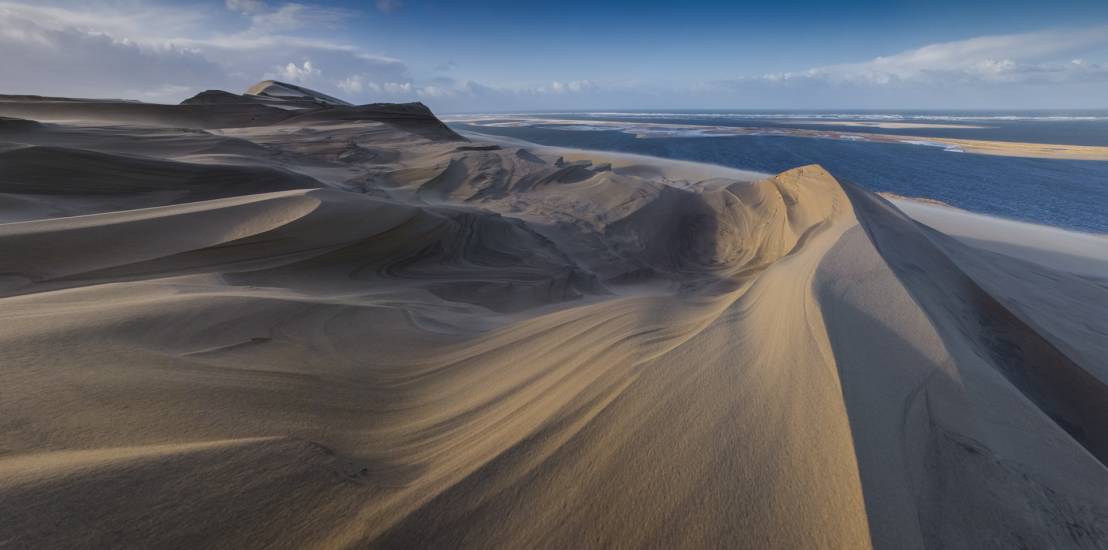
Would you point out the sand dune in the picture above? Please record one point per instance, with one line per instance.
(347, 326)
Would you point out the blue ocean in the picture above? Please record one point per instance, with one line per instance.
(1072, 194)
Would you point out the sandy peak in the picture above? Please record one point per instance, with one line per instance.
(273, 89)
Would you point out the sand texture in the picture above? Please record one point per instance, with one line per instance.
(275, 320)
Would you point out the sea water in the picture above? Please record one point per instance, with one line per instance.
(1072, 194)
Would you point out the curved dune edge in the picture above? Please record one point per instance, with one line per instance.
(465, 344)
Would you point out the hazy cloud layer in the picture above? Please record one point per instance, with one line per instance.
(1030, 57)
(1016, 70)
(162, 52)
(113, 52)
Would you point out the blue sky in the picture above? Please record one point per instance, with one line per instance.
(500, 55)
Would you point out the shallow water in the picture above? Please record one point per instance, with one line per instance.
(1065, 193)
(1064, 127)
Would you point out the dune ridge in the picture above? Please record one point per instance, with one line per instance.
(228, 324)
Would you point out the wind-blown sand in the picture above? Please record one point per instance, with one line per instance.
(279, 321)
(1084, 254)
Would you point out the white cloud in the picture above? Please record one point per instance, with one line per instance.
(161, 52)
(365, 86)
(434, 91)
(397, 87)
(1009, 58)
(57, 57)
(165, 51)
(295, 73)
(573, 86)
(148, 23)
(356, 84)
(353, 84)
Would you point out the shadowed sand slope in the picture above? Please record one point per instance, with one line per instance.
(347, 326)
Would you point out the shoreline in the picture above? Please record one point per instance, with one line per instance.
(966, 223)
(1077, 252)
(671, 168)
(650, 130)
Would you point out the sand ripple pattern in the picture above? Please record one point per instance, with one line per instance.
(227, 324)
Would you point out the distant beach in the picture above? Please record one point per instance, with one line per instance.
(1042, 167)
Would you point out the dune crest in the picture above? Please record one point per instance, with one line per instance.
(282, 91)
(230, 324)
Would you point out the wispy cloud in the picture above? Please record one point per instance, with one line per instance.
(246, 6)
(1013, 58)
(163, 52)
(293, 16)
(57, 52)
(388, 6)
(571, 87)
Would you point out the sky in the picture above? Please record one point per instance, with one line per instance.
(490, 56)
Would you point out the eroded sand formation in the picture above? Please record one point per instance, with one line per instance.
(277, 320)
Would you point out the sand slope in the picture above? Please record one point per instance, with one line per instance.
(350, 327)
